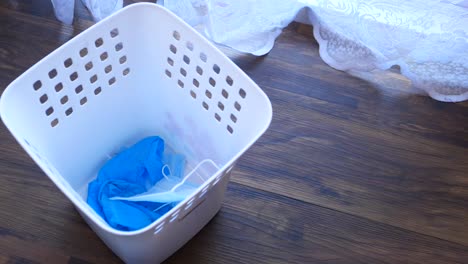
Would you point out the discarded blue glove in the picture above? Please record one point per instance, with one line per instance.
(134, 171)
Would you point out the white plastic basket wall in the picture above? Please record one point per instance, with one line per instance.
(140, 72)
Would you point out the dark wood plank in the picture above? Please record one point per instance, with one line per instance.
(338, 142)
(19, 31)
(261, 227)
(37, 222)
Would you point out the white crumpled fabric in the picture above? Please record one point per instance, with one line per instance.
(427, 39)
(64, 9)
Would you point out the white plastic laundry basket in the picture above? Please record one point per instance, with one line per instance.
(138, 73)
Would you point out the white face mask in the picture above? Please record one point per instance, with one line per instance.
(171, 188)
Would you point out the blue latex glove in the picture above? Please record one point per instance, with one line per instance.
(133, 171)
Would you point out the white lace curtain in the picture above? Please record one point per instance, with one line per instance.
(64, 9)
(427, 39)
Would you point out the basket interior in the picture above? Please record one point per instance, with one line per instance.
(140, 72)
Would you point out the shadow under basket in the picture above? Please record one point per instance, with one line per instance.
(138, 73)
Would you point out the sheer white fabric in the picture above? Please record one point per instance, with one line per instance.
(64, 9)
(427, 39)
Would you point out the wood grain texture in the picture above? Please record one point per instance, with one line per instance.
(357, 150)
(347, 173)
(262, 227)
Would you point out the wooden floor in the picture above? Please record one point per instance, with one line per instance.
(345, 174)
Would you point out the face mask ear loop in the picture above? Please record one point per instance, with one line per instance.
(164, 173)
(193, 171)
(161, 207)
